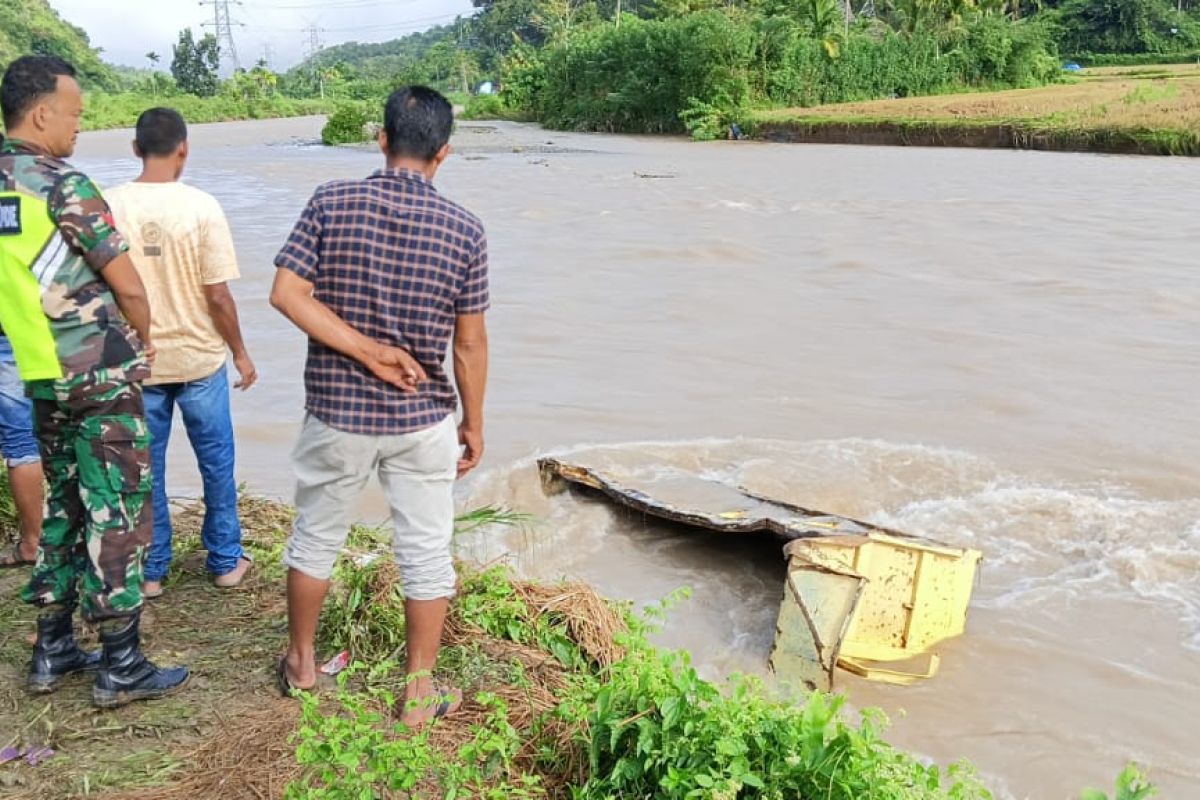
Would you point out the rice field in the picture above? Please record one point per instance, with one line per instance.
(1149, 109)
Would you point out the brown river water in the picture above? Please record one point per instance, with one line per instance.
(997, 349)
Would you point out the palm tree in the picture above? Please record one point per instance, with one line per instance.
(826, 21)
(153, 58)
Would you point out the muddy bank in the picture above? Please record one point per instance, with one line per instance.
(1007, 136)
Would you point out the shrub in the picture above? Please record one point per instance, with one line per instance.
(347, 125)
(485, 106)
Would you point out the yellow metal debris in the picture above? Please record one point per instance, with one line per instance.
(857, 596)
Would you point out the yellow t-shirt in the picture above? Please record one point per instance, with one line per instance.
(180, 242)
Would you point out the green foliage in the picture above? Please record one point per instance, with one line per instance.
(102, 111)
(32, 26)
(486, 106)
(347, 124)
(648, 726)
(656, 729)
(1089, 59)
(701, 72)
(640, 76)
(1131, 785)
(195, 64)
(365, 612)
(375, 61)
(490, 602)
(354, 752)
(1124, 26)
(705, 121)
(255, 84)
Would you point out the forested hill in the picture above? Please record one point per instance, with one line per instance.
(32, 26)
(380, 60)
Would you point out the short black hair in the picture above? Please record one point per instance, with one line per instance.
(160, 131)
(27, 80)
(417, 121)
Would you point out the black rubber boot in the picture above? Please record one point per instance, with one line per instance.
(56, 653)
(125, 674)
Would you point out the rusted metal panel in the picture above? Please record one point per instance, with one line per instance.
(857, 595)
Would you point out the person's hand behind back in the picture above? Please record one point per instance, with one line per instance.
(396, 366)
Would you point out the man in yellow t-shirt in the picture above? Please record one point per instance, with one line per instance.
(183, 250)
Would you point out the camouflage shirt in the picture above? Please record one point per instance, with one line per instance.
(87, 326)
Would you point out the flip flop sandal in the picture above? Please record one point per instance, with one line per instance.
(448, 701)
(284, 683)
(12, 559)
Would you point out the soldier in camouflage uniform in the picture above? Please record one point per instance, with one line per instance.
(76, 313)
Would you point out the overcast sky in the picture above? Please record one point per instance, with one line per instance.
(128, 29)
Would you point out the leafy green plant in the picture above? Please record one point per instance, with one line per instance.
(350, 754)
(351, 748)
(485, 106)
(704, 121)
(347, 125)
(657, 729)
(365, 611)
(1132, 784)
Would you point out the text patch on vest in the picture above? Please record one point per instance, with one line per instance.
(10, 216)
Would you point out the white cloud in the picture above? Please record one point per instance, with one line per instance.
(128, 29)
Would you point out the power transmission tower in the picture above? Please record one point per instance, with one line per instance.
(223, 25)
(314, 44)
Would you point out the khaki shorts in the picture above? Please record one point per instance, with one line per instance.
(417, 472)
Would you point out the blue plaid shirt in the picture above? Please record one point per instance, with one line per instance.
(398, 262)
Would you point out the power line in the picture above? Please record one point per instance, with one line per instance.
(314, 44)
(406, 23)
(331, 6)
(223, 23)
(390, 26)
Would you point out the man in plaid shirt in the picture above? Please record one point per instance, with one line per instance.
(382, 274)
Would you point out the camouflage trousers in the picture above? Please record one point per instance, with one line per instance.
(99, 519)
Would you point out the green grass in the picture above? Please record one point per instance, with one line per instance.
(103, 111)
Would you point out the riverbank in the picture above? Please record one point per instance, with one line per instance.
(108, 111)
(564, 698)
(1152, 110)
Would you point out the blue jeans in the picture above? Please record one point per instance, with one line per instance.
(18, 445)
(204, 405)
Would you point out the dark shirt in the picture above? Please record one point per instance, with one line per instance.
(398, 262)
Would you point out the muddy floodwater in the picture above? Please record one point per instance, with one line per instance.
(996, 349)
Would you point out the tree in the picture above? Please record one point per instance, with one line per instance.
(195, 64)
(153, 58)
(825, 21)
(1124, 26)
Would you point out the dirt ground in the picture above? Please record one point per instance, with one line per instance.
(228, 638)
(229, 735)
